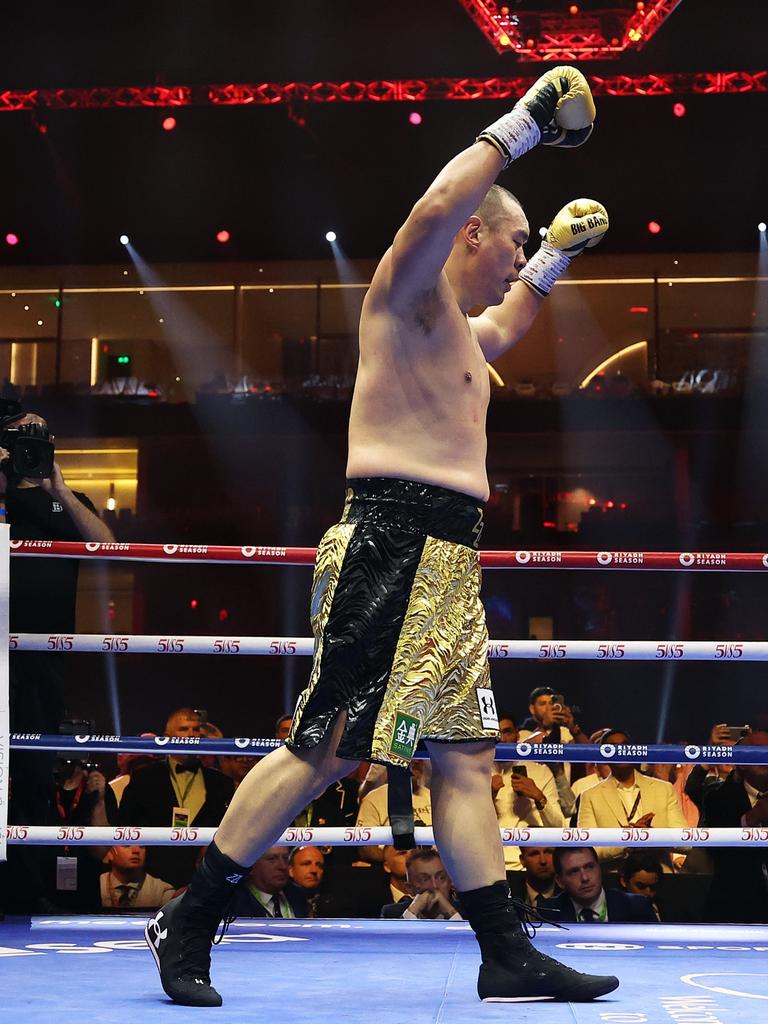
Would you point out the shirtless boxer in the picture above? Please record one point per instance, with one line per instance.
(401, 642)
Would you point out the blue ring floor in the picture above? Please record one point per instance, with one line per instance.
(97, 970)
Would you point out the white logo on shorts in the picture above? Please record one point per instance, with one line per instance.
(487, 704)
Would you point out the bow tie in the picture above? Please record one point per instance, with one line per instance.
(188, 768)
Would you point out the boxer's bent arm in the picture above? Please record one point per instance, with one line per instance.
(423, 244)
(500, 327)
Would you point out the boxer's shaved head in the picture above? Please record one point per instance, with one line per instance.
(496, 206)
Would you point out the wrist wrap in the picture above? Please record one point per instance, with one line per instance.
(544, 268)
(513, 134)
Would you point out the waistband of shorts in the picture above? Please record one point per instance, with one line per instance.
(439, 511)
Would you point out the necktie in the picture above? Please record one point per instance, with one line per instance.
(588, 915)
(276, 911)
(125, 894)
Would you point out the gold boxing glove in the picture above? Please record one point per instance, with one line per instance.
(578, 226)
(558, 110)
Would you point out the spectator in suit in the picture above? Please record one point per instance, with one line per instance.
(628, 797)
(267, 891)
(433, 894)
(641, 873)
(536, 882)
(177, 791)
(578, 873)
(306, 866)
(127, 885)
(739, 890)
(127, 764)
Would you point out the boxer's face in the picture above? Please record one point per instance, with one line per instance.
(500, 256)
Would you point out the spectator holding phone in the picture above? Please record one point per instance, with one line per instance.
(524, 793)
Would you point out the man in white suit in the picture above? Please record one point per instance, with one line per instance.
(628, 797)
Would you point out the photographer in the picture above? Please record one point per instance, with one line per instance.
(71, 874)
(38, 505)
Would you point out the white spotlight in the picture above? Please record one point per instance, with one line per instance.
(543, 232)
(330, 236)
(761, 226)
(124, 239)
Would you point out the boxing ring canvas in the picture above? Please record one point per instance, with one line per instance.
(96, 969)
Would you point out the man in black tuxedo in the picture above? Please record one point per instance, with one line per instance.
(578, 873)
(180, 792)
(739, 890)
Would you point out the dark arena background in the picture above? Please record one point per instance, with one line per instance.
(194, 199)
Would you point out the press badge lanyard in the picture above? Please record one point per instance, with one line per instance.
(635, 805)
(177, 789)
(63, 814)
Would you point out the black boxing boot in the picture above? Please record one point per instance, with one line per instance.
(512, 969)
(182, 932)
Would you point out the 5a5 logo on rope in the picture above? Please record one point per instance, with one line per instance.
(57, 642)
(184, 835)
(282, 647)
(358, 834)
(115, 643)
(127, 832)
(170, 645)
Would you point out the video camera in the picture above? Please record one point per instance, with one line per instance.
(29, 446)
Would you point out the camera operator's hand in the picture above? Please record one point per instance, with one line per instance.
(54, 484)
(497, 783)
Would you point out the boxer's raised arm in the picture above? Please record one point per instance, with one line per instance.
(558, 110)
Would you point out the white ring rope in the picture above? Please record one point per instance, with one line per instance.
(129, 835)
(550, 650)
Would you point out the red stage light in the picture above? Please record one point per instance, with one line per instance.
(193, 603)
(679, 110)
(654, 227)
(222, 236)
(573, 9)
(623, 505)
(169, 124)
(638, 309)
(609, 504)
(223, 615)
(592, 501)
(415, 117)
(12, 239)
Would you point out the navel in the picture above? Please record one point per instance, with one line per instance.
(467, 376)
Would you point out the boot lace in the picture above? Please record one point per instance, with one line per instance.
(531, 918)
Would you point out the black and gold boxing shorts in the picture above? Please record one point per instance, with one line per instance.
(401, 643)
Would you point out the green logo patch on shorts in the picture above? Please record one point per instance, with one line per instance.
(405, 735)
